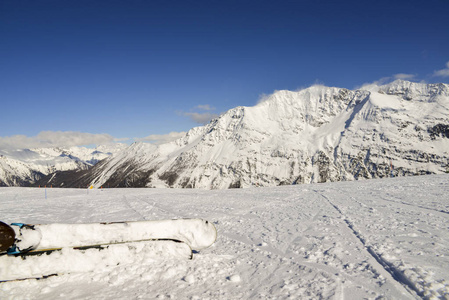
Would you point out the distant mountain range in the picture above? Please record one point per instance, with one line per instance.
(318, 134)
(26, 167)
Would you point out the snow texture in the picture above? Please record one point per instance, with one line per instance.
(27, 239)
(372, 239)
(197, 233)
(69, 260)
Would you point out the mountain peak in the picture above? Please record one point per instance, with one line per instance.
(317, 134)
(413, 90)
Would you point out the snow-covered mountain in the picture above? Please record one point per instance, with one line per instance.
(317, 134)
(26, 166)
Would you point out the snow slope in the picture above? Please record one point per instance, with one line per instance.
(25, 166)
(318, 134)
(380, 238)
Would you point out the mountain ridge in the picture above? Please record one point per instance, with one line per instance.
(26, 167)
(316, 134)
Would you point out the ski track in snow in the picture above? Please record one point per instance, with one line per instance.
(349, 240)
(396, 274)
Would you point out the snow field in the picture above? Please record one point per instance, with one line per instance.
(349, 240)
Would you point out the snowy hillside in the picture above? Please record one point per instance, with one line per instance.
(318, 134)
(26, 166)
(371, 239)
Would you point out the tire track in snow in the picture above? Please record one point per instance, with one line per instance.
(396, 274)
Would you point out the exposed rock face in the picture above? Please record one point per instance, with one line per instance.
(318, 134)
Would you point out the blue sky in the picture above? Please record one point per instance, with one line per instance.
(132, 69)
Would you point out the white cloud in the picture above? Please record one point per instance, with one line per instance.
(159, 139)
(263, 98)
(118, 140)
(385, 80)
(443, 72)
(206, 107)
(54, 139)
(201, 117)
(266, 97)
(403, 76)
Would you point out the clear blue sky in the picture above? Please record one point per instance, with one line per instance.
(134, 68)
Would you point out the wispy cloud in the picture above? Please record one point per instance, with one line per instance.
(264, 97)
(118, 140)
(201, 114)
(205, 107)
(54, 139)
(200, 118)
(404, 76)
(385, 80)
(443, 72)
(159, 139)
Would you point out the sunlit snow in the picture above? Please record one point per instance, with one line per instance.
(348, 240)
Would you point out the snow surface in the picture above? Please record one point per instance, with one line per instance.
(197, 233)
(379, 238)
(71, 261)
